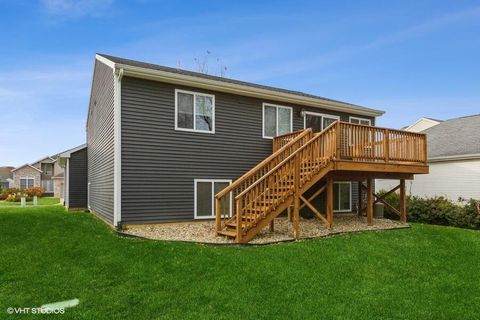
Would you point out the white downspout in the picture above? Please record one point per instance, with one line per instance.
(117, 160)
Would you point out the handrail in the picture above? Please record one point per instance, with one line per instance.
(284, 139)
(285, 160)
(262, 164)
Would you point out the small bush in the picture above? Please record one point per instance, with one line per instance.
(7, 192)
(437, 210)
(36, 191)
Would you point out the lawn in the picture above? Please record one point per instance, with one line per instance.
(48, 255)
(41, 201)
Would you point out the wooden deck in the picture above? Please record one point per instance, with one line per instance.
(301, 159)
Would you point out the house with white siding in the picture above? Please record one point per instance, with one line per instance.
(454, 160)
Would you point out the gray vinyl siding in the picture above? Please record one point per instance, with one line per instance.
(159, 163)
(100, 142)
(77, 197)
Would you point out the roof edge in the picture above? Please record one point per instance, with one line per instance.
(67, 153)
(25, 165)
(235, 88)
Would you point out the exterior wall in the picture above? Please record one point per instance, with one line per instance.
(422, 124)
(100, 142)
(452, 179)
(159, 164)
(26, 171)
(77, 189)
(58, 185)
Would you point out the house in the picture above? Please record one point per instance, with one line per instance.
(166, 144)
(74, 162)
(422, 124)
(45, 173)
(454, 160)
(6, 177)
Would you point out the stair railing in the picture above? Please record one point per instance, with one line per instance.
(267, 193)
(223, 199)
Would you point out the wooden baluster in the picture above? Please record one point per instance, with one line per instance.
(386, 145)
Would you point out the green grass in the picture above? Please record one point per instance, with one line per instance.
(45, 201)
(48, 255)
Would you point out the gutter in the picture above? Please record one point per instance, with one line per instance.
(472, 156)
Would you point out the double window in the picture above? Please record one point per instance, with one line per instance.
(205, 191)
(27, 182)
(342, 196)
(277, 120)
(362, 121)
(318, 121)
(194, 111)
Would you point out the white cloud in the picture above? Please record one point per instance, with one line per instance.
(77, 8)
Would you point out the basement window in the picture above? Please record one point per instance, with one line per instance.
(277, 120)
(205, 191)
(194, 111)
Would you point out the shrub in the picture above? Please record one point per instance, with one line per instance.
(437, 210)
(35, 191)
(7, 192)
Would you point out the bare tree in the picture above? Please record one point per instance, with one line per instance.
(202, 65)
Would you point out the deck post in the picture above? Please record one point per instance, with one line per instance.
(360, 198)
(330, 202)
(296, 216)
(218, 215)
(369, 202)
(403, 202)
(272, 226)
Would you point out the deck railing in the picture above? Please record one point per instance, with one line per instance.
(374, 144)
(280, 141)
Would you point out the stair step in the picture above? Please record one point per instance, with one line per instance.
(229, 233)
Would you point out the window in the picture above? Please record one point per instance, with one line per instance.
(362, 121)
(277, 120)
(318, 121)
(342, 196)
(47, 185)
(194, 111)
(27, 182)
(205, 191)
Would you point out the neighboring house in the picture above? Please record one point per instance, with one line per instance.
(74, 161)
(45, 173)
(422, 124)
(6, 177)
(454, 159)
(163, 141)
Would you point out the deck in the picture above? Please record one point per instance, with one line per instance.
(301, 159)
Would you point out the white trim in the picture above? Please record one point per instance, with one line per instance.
(105, 61)
(359, 119)
(88, 195)
(339, 200)
(66, 195)
(212, 182)
(472, 156)
(277, 106)
(317, 114)
(67, 153)
(117, 138)
(26, 165)
(241, 89)
(194, 93)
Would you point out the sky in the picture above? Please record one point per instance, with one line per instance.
(409, 58)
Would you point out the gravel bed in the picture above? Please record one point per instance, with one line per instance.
(204, 231)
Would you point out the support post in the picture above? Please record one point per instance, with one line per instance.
(330, 202)
(239, 222)
(403, 202)
(360, 198)
(218, 215)
(272, 225)
(369, 202)
(296, 201)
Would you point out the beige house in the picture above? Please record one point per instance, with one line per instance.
(46, 173)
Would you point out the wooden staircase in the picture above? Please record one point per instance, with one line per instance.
(300, 160)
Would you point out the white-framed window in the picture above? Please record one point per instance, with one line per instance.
(277, 120)
(47, 185)
(194, 111)
(318, 121)
(362, 121)
(204, 194)
(27, 182)
(342, 196)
